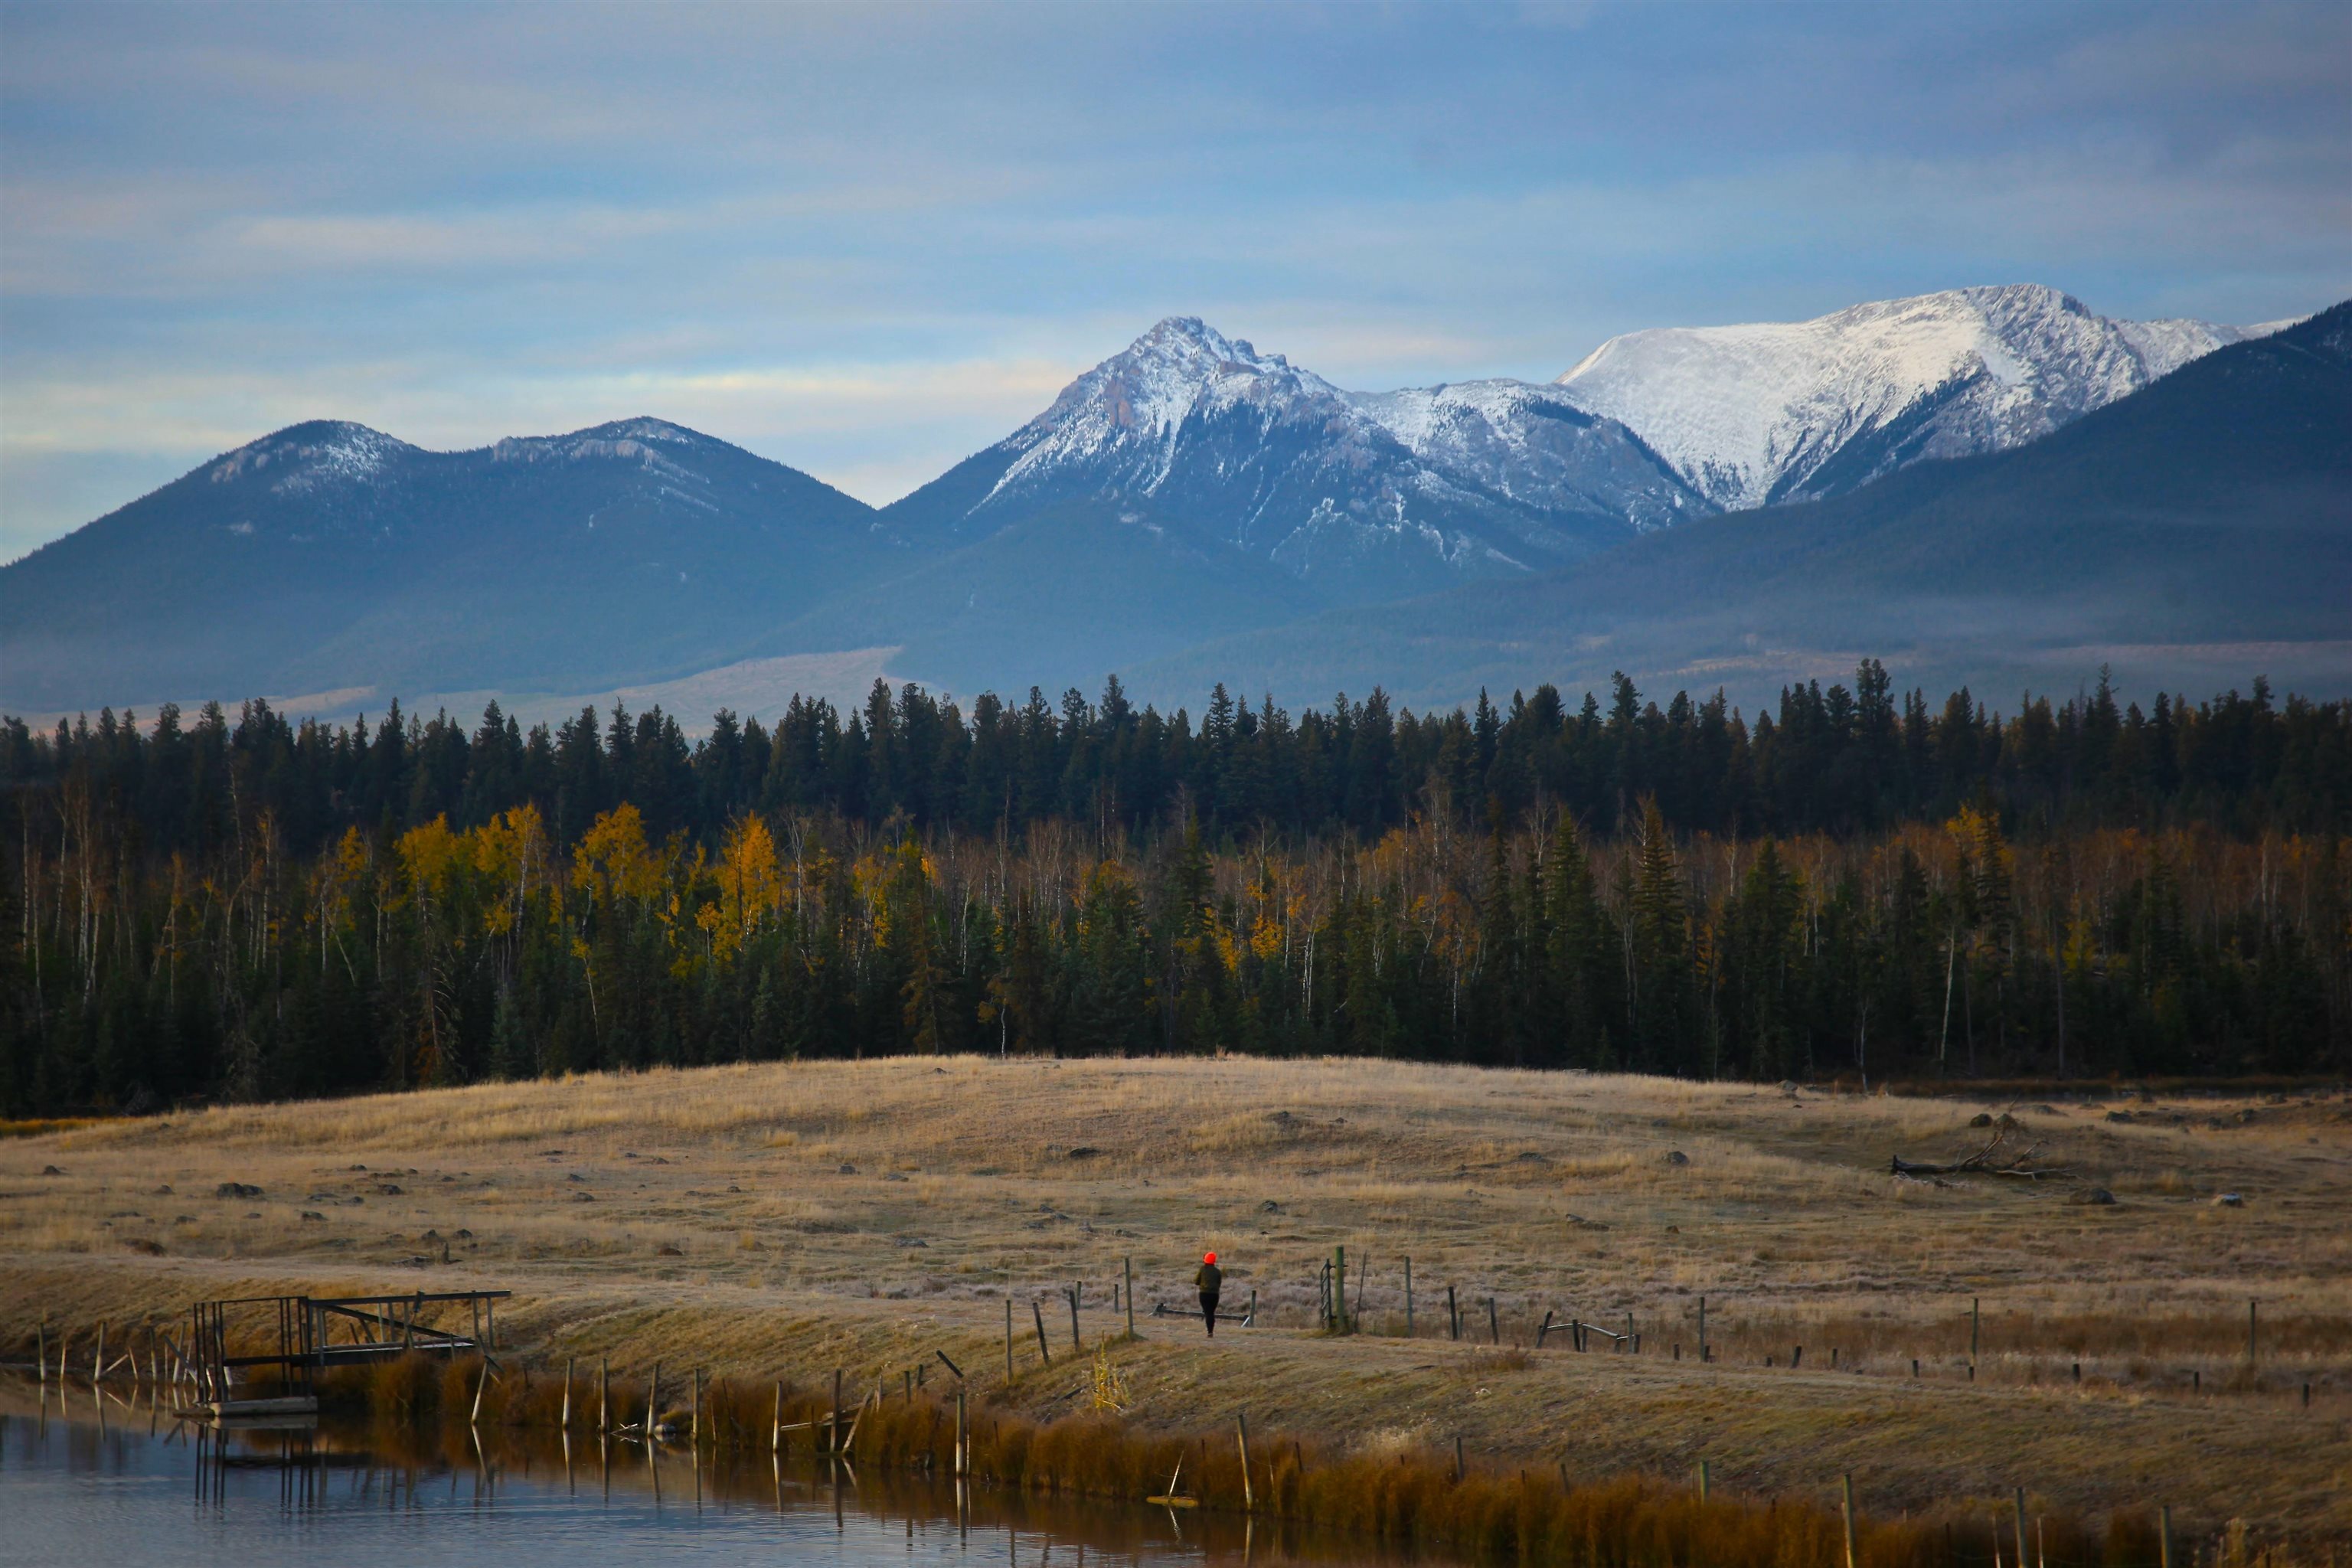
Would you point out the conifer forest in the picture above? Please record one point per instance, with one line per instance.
(1860, 884)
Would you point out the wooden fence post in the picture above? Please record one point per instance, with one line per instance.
(1457, 1458)
(1705, 1475)
(1127, 1272)
(1008, 1336)
(2250, 1330)
(1453, 1314)
(653, 1404)
(1702, 1328)
(1975, 1320)
(1493, 1321)
(2017, 1501)
(1039, 1313)
(1077, 1345)
(604, 1395)
(2164, 1536)
(1847, 1508)
(776, 1424)
(1408, 1298)
(1340, 1294)
(962, 1440)
(833, 1432)
(567, 1393)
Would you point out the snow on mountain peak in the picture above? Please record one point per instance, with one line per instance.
(644, 429)
(1129, 410)
(640, 440)
(1192, 341)
(1764, 412)
(1528, 443)
(315, 451)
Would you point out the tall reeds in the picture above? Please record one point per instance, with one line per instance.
(1397, 1498)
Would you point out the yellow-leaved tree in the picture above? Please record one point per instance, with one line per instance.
(430, 858)
(751, 887)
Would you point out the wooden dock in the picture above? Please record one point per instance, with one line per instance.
(298, 1337)
(252, 1410)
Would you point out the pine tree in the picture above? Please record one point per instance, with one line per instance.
(1660, 944)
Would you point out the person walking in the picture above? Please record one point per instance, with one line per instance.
(1210, 1279)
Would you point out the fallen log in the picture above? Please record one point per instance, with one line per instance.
(1979, 1163)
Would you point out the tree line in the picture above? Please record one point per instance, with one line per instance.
(1851, 884)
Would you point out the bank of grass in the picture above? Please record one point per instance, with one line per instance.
(793, 1218)
(44, 1126)
(1389, 1489)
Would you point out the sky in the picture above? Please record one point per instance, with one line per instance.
(867, 241)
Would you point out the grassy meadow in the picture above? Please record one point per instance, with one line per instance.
(784, 1220)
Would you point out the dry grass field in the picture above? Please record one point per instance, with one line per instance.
(785, 1220)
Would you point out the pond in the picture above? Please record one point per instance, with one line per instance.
(84, 1477)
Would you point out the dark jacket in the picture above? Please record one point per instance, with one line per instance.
(1211, 1279)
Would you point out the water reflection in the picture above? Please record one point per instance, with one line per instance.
(117, 1474)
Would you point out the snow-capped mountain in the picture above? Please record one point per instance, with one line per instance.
(1237, 450)
(651, 443)
(328, 556)
(302, 457)
(1781, 411)
(1531, 443)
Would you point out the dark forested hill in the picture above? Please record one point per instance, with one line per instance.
(329, 556)
(2200, 525)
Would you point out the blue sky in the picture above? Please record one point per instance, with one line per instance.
(867, 241)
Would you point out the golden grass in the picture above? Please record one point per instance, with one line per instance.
(1544, 1192)
(1397, 1487)
(37, 1126)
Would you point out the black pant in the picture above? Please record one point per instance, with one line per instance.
(1209, 1311)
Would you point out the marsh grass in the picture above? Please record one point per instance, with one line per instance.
(1393, 1486)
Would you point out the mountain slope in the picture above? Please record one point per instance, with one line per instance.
(2198, 529)
(1055, 598)
(1245, 453)
(1531, 445)
(329, 555)
(1787, 411)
